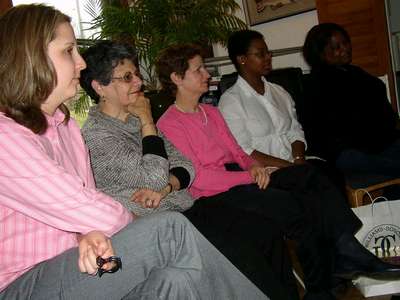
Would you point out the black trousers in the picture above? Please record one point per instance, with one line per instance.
(254, 244)
(299, 203)
(329, 170)
(314, 213)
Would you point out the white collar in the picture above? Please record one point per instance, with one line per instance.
(249, 90)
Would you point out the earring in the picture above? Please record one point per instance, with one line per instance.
(102, 98)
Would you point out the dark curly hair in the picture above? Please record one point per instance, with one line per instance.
(239, 43)
(317, 39)
(174, 59)
(101, 59)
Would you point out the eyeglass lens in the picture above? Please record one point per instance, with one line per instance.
(261, 54)
(128, 76)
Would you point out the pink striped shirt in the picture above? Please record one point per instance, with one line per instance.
(47, 195)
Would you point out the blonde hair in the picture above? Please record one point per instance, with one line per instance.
(27, 74)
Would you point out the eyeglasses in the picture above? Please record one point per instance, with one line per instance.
(261, 54)
(101, 261)
(127, 77)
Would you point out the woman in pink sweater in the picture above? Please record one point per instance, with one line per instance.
(307, 207)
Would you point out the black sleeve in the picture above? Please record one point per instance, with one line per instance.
(183, 176)
(153, 144)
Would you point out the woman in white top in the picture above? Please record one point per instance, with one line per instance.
(261, 114)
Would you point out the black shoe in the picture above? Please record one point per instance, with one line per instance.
(377, 269)
(354, 260)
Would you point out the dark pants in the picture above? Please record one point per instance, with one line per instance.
(305, 206)
(314, 213)
(329, 170)
(386, 162)
(254, 244)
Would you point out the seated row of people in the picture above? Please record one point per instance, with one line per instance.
(262, 115)
(348, 119)
(58, 226)
(233, 207)
(57, 231)
(145, 172)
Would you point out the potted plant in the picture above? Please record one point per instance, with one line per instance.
(152, 25)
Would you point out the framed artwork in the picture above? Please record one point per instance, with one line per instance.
(260, 11)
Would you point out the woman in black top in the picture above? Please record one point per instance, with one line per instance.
(349, 120)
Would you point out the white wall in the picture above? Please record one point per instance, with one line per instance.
(281, 33)
(75, 9)
(393, 12)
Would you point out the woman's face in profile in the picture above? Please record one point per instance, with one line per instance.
(195, 80)
(338, 51)
(67, 63)
(125, 85)
(257, 60)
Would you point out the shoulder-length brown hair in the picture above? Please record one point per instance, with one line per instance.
(27, 75)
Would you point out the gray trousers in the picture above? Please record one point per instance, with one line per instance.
(163, 257)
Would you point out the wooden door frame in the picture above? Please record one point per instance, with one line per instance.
(5, 5)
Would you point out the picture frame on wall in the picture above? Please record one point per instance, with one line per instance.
(261, 11)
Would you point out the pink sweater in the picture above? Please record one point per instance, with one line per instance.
(206, 140)
(47, 195)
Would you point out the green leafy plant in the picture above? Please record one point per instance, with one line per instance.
(152, 25)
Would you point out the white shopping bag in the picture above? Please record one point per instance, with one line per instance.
(380, 234)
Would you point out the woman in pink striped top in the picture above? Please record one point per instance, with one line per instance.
(54, 224)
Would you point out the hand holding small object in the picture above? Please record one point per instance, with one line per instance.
(117, 264)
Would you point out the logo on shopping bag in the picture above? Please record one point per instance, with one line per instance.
(383, 238)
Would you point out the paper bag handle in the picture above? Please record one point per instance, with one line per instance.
(373, 200)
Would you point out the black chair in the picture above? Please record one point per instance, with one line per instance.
(159, 101)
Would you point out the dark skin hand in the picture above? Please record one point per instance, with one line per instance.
(298, 149)
(269, 160)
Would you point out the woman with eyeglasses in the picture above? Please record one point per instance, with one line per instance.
(306, 207)
(133, 163)
(130, 160)
(260, 114)
(57, 231)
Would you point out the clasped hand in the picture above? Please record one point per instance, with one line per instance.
(148, 198)
(91, 246)
(260, 175)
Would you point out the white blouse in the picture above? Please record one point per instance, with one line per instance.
(266, 123)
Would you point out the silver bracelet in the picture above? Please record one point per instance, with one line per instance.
(298, 157)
